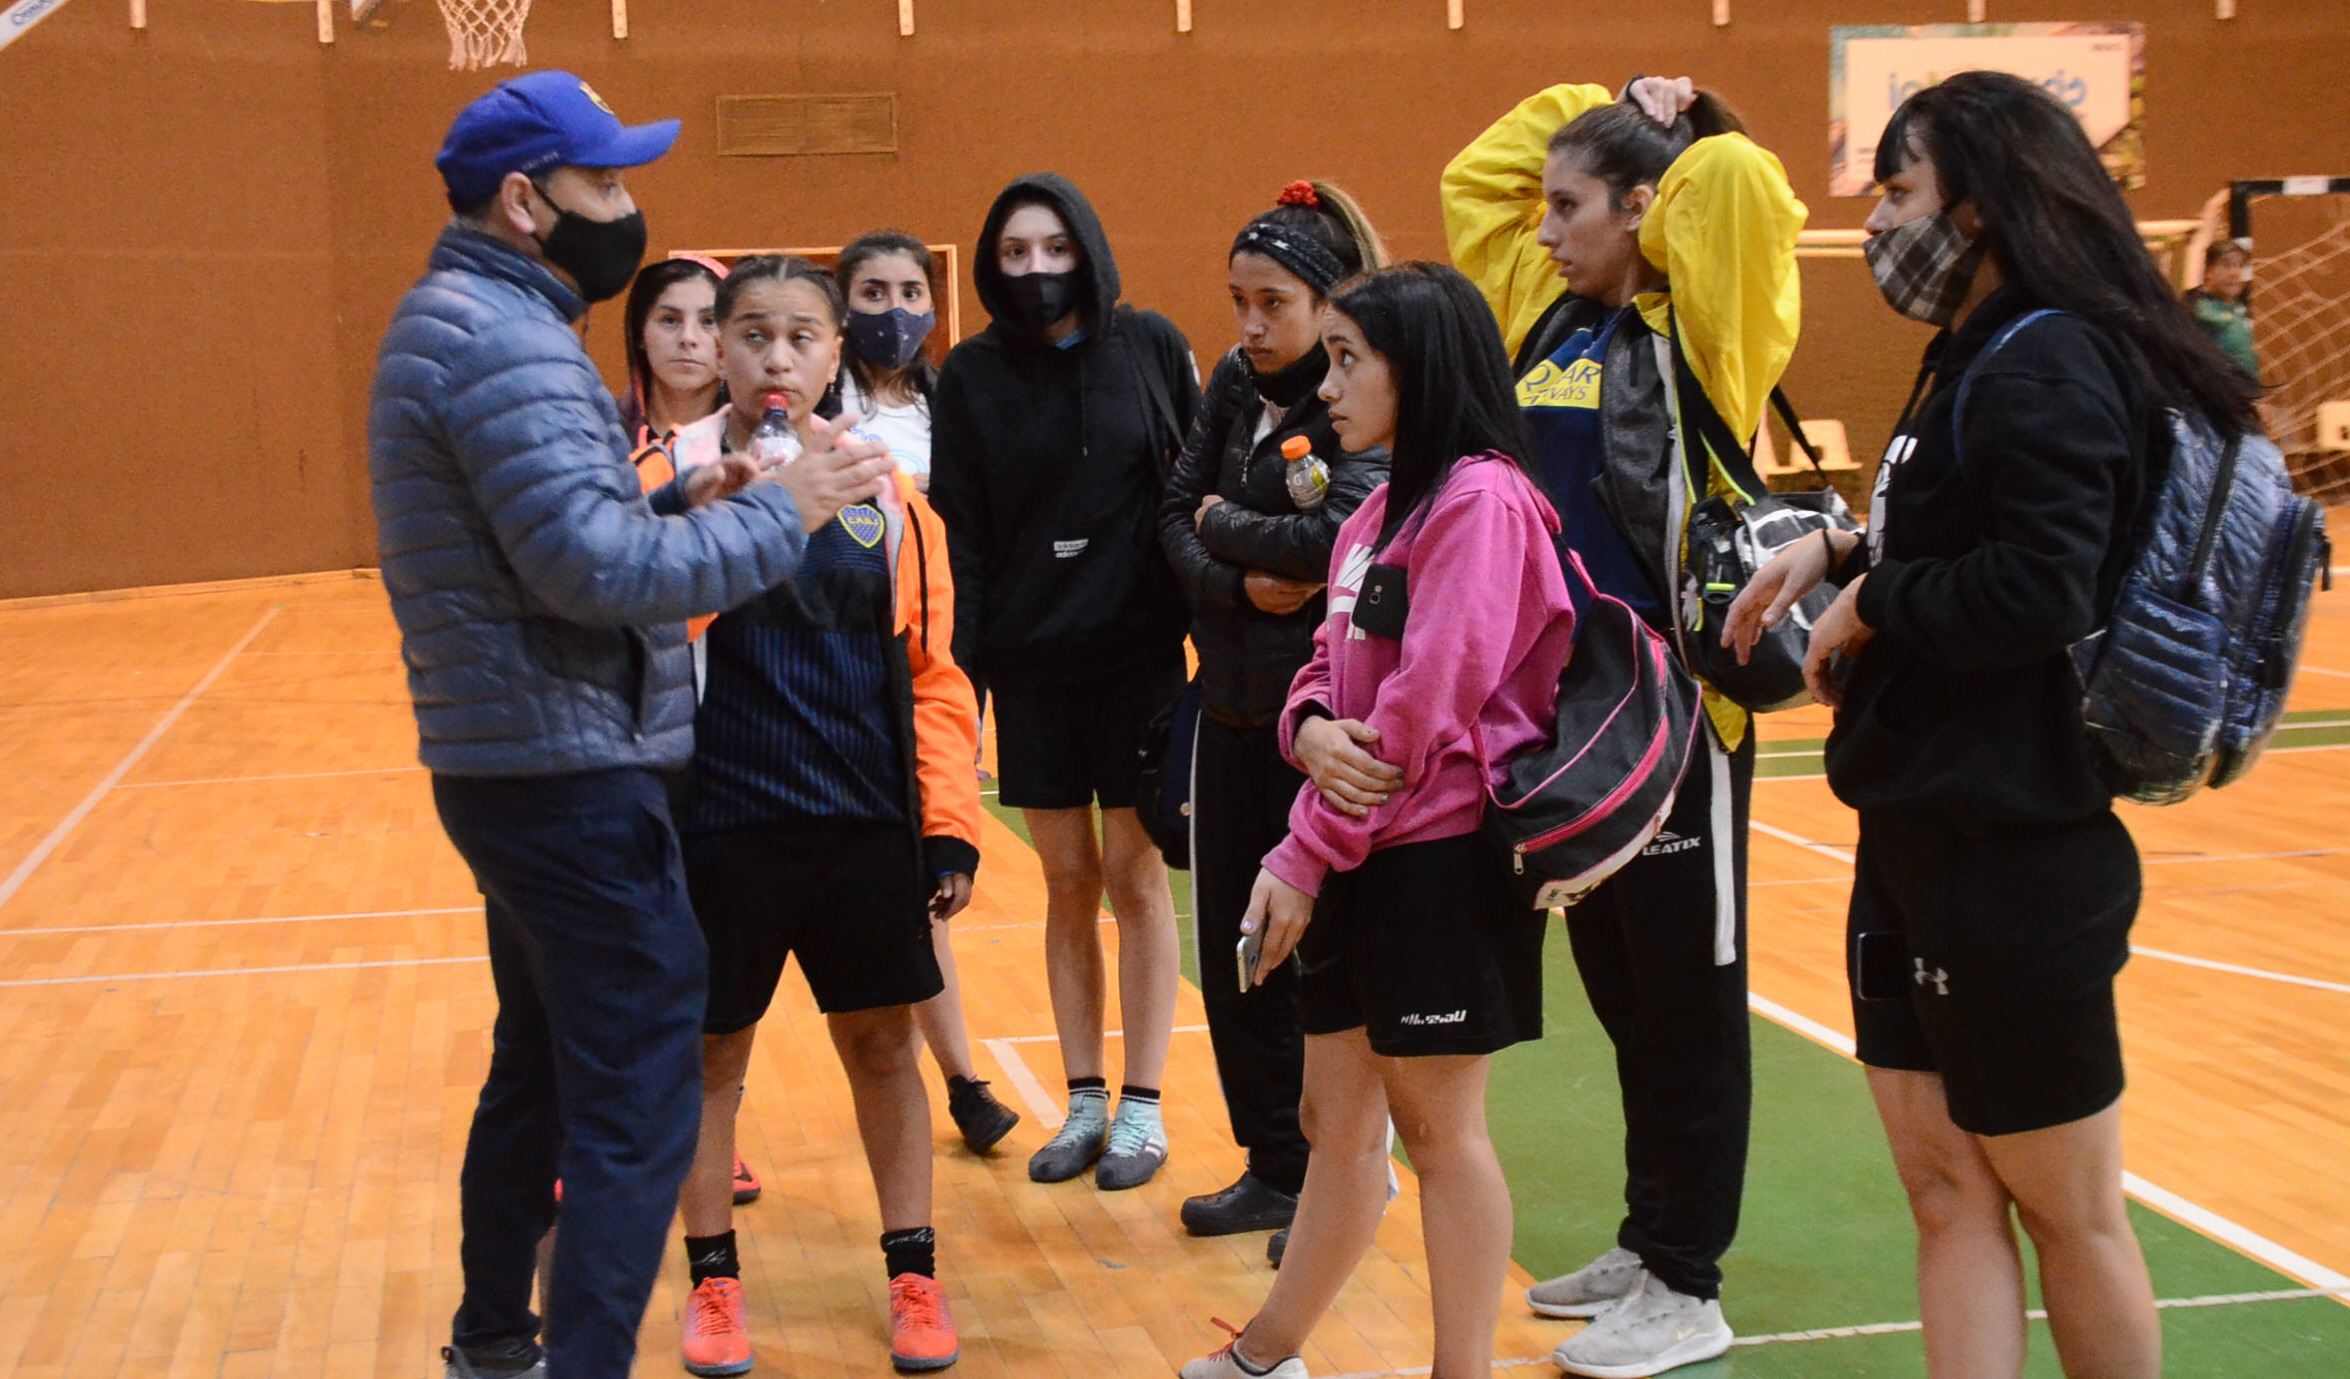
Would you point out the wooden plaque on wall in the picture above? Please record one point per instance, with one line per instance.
(807, 123)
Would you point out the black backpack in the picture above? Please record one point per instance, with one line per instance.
(2184, 684)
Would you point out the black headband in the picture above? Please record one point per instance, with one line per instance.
(1317, 266)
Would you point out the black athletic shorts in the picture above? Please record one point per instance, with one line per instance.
(1067, 746)
(1424, 948)
(848, 899)
(1987, 954)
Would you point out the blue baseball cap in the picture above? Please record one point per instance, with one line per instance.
(537, 123)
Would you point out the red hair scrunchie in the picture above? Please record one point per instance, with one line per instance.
(1300, 193)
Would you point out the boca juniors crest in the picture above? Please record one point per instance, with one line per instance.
(865, 522)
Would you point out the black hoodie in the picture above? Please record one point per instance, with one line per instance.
(1048, 465)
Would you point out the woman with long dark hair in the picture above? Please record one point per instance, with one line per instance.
(890, 280)
(1249, 532)
(1599, 229)
(1448, 620)
(671, 334)
(1994, 887)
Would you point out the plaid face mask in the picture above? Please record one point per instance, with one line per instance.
(1924, 268)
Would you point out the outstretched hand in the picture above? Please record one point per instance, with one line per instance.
(1785, 578)
(728, 475)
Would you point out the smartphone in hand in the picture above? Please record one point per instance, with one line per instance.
(1252, 948)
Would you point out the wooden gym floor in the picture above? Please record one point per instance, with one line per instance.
(244, 1012)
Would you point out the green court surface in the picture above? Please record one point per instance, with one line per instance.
(1825, 1243)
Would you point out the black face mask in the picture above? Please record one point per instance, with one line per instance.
(1039, 299)
(889, 339)
(600, 255)
(1287, 387)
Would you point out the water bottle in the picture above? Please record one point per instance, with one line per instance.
(1309, 477)
(774, 444)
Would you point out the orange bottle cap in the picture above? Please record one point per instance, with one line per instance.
(1296, 448)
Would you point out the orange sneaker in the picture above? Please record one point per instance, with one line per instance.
(715, 1341)
(921, 1330)
(746, 1183)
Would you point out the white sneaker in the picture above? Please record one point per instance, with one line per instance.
(1590, 1290)
(1226, 1365)
(1653, 1329)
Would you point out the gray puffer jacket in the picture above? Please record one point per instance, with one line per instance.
(540, 594)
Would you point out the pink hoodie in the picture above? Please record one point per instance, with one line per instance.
(1488, 633)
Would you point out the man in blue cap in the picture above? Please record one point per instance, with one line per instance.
(541, 600)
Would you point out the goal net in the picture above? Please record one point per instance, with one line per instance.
(2300, 233)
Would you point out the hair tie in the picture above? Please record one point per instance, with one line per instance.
(1299, 193)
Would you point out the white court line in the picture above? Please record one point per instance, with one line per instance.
(235, 971)
(1842, 855)
(1041, 1105)
(1106, 1034)
(57, 835)
(1798, 881)
(2241, 856)
(1761, 779)
(2320, 984)
(1848, 1333)
(241, 780)
(223, 923)
(2211, 1223)
(2321, 670)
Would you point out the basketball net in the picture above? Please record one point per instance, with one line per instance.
(483, 32)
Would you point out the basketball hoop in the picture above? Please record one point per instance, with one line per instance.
(483, 32)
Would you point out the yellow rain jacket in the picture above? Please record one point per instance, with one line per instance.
(1722, 229)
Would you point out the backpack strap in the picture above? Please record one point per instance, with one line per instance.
(1966, 380)
(1698, 412)
(1154, 388)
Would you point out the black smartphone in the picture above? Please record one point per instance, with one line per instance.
(1881, 966)
(1383, 603)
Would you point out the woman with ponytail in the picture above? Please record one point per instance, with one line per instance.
(1249, 532)
(1598, 229)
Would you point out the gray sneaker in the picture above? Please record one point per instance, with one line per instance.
(1078, 1142)
(1653, 1329)
(1590, 1290)
(1138, 1145)
(510, 1360)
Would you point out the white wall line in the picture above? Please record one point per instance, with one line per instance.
(235, 971)
(223, 923)
(241, 780)
(65, 826)
(2262, 972)
(1041, 1105)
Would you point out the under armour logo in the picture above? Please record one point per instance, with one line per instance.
(1938, 977)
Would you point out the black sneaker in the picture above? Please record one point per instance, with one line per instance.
(1251, 1204)
(1276, 1245)
(982, 1119)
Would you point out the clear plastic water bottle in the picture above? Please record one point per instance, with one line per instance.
(1309, 477)
(774, 445)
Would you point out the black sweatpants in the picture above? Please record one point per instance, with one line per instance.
(1647, 946)
(1240, 797)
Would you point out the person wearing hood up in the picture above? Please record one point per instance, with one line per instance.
(1052, 432)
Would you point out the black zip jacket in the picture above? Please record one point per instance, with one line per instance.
(1048, 466)
(1998, 552)
(1247, 657)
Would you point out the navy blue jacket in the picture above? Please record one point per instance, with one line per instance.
(541, 596)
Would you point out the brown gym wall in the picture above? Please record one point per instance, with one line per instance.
(207, 223)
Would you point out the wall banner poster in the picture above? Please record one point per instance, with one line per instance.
(2097, 69)
(18, 18)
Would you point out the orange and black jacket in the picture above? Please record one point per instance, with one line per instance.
(835, 697)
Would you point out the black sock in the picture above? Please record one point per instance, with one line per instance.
(910, 1252)
(1147, 1095)
(1089, 1084)
(712, 1256)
